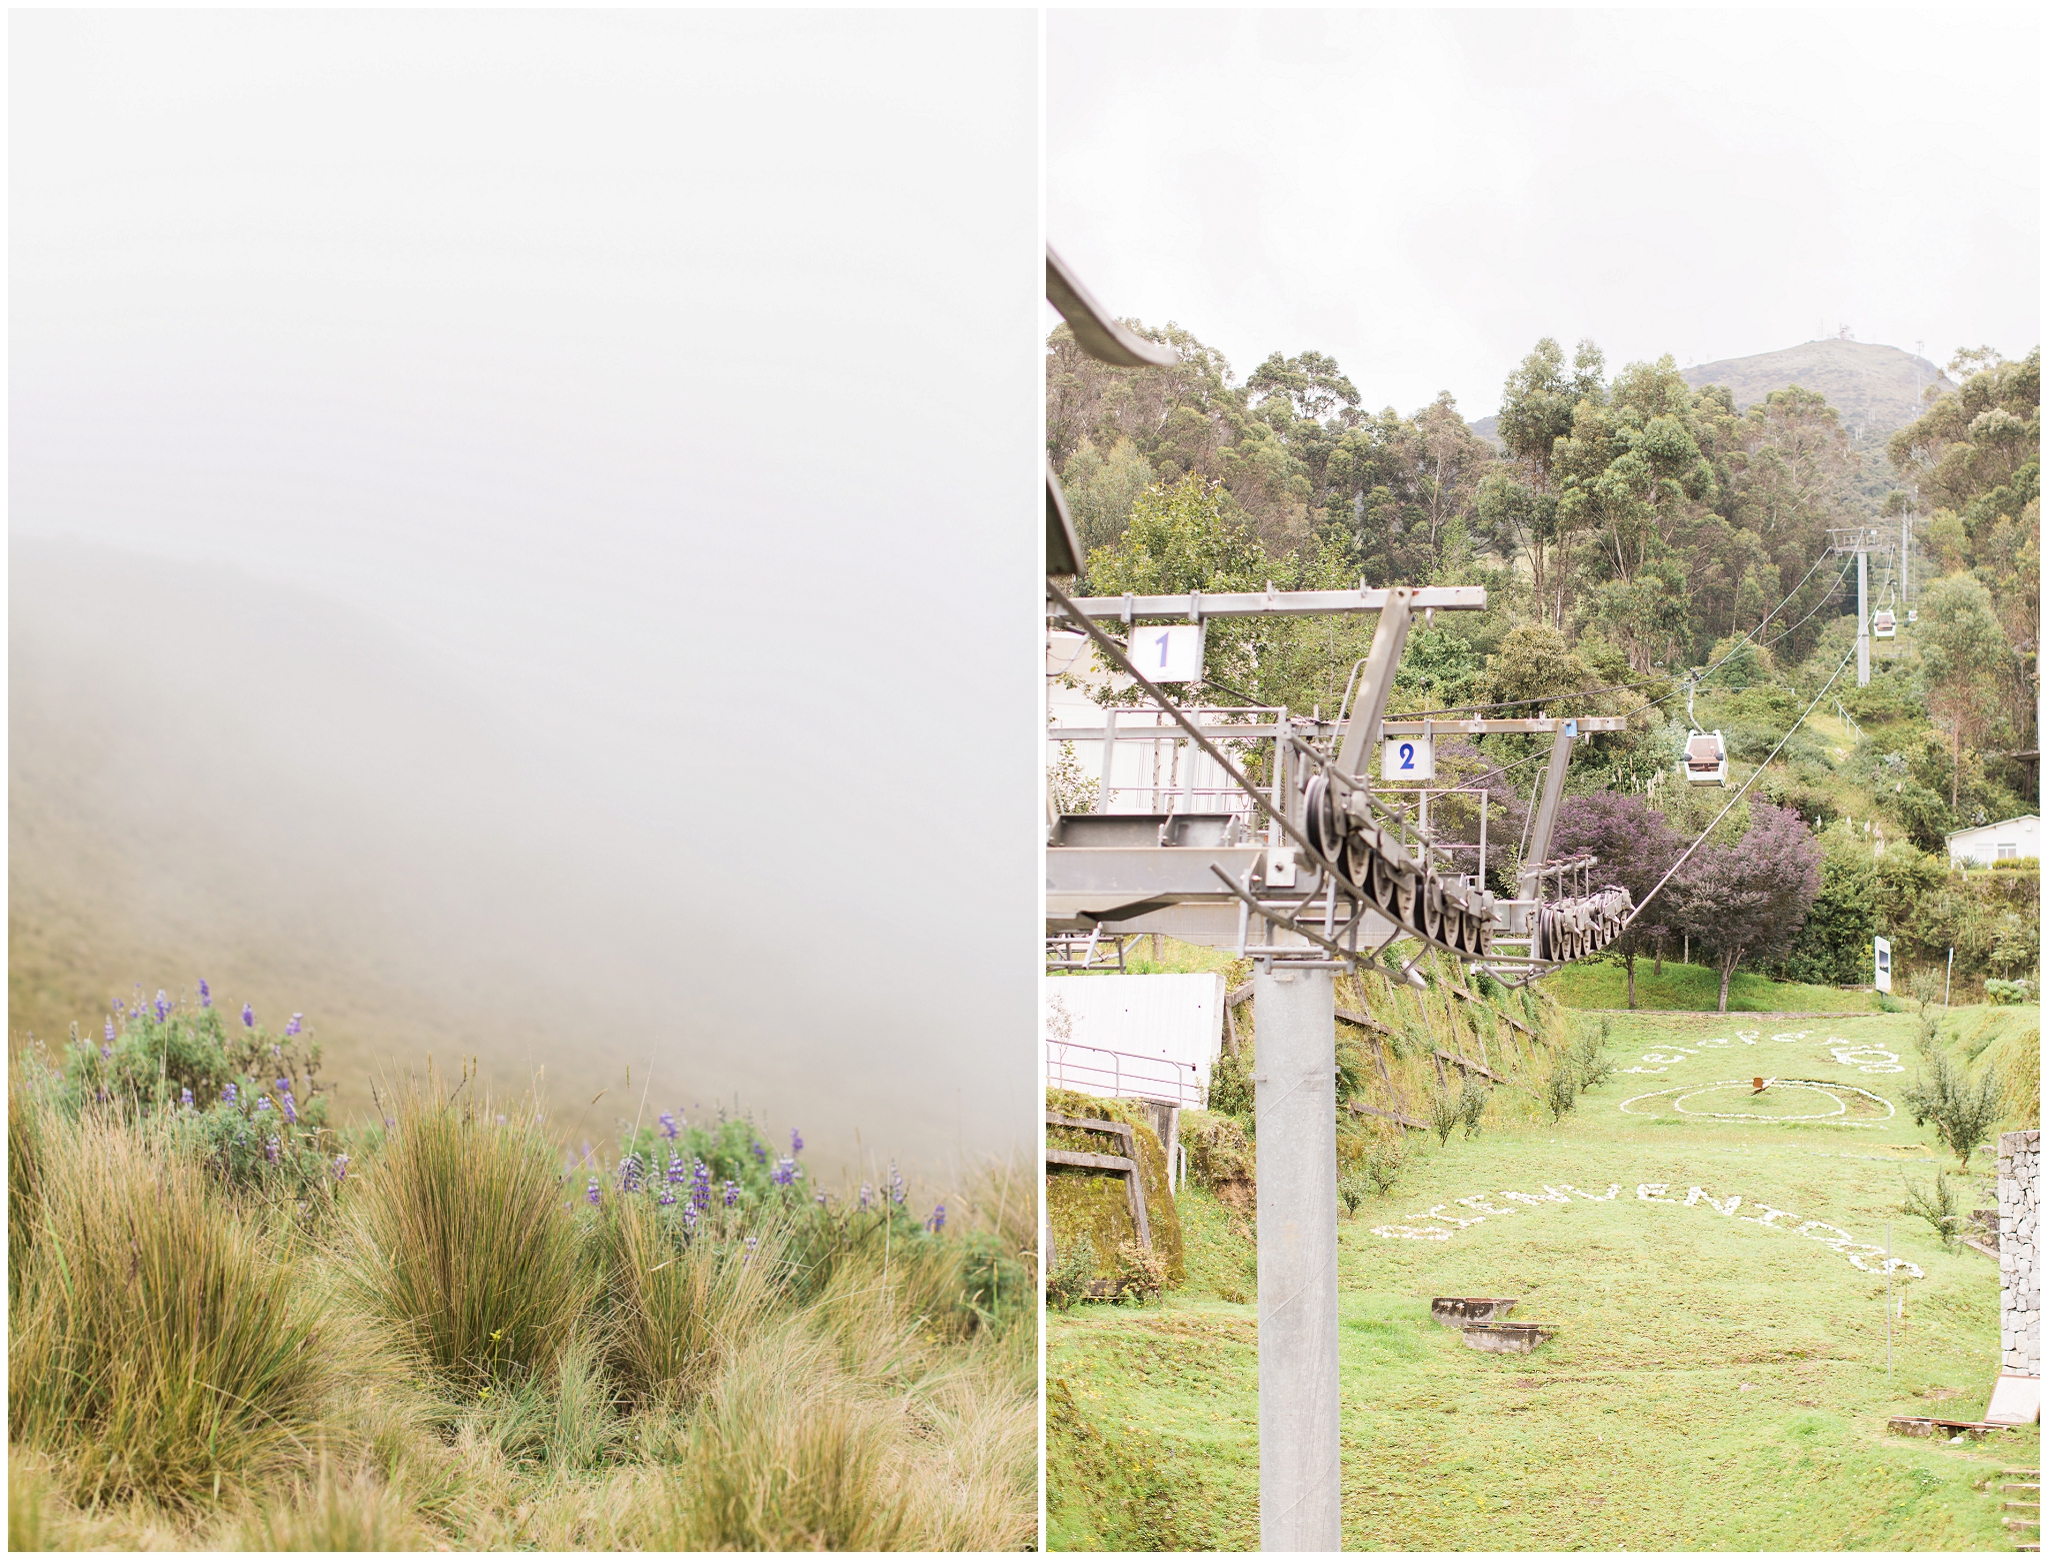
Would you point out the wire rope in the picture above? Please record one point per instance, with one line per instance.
(1739, 792)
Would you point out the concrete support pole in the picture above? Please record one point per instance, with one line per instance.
(1296, 1105)
(1862, 618)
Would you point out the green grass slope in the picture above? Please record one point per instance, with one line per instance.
(1716, 1382)
(1694, 988)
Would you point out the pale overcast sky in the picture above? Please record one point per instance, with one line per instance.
(1423, 194)
(655, 394)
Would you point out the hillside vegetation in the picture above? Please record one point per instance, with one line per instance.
(236, 1322)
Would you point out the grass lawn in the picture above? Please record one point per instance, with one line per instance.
(1693, 988)
(1715, 1382)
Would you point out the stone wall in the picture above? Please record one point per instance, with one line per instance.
(2019, 1261)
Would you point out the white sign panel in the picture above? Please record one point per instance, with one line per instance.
(1172, 653)
(1134, 1036)
(1884, 963)
(1408, 758)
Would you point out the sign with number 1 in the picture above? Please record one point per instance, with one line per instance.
(1172, 653)
(1408, 758)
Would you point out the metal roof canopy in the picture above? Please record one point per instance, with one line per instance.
(1201, 604)
(1538, 725)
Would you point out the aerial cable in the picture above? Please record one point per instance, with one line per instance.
(1765, 645)
(1696, 844)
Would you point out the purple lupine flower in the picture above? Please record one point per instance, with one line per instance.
(595, 1192)
(689, 1216)
(291, 1113)
(824, 1199)
(732, 1193)
(163, 1006)
(185, 1098)
(749, 1257)
(796, 1141)
(667, 1197)
(784, 1173)
(205, 993)
(341, 1167)
(867, 1194)
(896, 1187)
(293, 1027)
(263, 1102)
(284, 1086)
(120, 1007)
(761, 1152)
(228, 1095)
(700, 1187)
(678, 1172)
(937, 1221)
(270, 1150)
(668, 1125)
(110, 1032)
(248, 1016)
(631, 1173)
(106, 1053)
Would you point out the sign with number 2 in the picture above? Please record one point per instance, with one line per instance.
(1408, 758)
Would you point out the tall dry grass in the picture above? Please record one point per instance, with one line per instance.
(674, 1311)
(457, 1238)
(161, 1341)
(455, 1350)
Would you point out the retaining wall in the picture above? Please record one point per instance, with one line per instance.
(2019, 1259)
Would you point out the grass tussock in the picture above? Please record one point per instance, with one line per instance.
(159, 1340)
(458, 1237)
(437, 1334)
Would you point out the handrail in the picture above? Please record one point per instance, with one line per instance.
(1185, 1091)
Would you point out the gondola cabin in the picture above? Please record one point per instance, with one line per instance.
(1883, 625)
(1912, 615)
(1706, 758)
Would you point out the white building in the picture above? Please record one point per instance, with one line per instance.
(1995, 842)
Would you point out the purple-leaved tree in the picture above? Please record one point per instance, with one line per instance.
(1636, 848)
(1748, 900)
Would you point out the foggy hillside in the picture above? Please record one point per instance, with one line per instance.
(221, 777)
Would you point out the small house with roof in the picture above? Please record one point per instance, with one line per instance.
(1992, 842)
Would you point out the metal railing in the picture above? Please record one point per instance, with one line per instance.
(1123, 1074)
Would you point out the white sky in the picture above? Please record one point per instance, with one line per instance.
(1424, 194)
(667, 379)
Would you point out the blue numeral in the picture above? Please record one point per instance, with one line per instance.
(1407, 755)
(1162, 652)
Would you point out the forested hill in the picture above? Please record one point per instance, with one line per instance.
(1874, 389)
(1627, 526)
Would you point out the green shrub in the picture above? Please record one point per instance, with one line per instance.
(1074, 1273)
(1963, 1114)
(1472, 1098)
(461, 1242)
(1231, 1092)
(1352, 1190)
(1382, 1167)
(1443, 1114)
(1937, 1205)
(2007, 992)
(1561, 1089)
